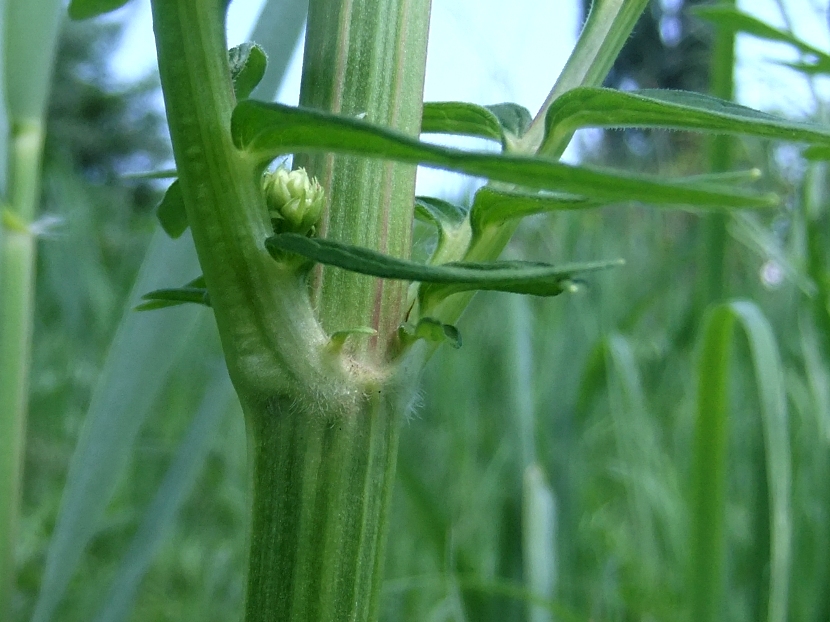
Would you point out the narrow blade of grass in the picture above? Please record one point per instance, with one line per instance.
(29, 36)
(136, 369)
(538, 540)
(709, 544)
(161, 513)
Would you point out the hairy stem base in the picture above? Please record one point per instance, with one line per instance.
(321, 494)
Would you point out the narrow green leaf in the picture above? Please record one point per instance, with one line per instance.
(193, 292)
(84, 9)
(772, 397)
(460, 118)
(171, 212)
(267, 131)
(727, 177)
(247, 62)
(170, 173)
(678, 110)
(160, 515)
(161, 298)
(495, 207)
(708, 541)
(729, 17)
(708, 529)
(519, 277)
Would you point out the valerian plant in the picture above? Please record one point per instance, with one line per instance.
(324, 319)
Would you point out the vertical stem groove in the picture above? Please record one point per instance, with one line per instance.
(367, 58)
(328, 483)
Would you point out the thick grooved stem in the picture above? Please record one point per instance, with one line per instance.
(329, 482)
(366, 57)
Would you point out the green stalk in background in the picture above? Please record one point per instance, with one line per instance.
(712, 251)
(708, 542)
(30, 31)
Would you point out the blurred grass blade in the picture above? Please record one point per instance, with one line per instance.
(267, 131)
(29, 36)
(730, 18)
(538, 540)
(137, 366)
(708, 538)
(172, 493)
(675, 110)
(769, 378)
(4, 115)
(748, 230)
(709, 461)
(277, 29)
(638, 450)
(818, 376)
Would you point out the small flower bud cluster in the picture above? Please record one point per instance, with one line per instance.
(295, 200)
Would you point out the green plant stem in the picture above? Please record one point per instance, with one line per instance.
(329, 483)
(322, 486)
(322, 424)
(17, 276)
(707, 542)
(29, 32)
(714, 239)
(271, 340)
(368, 58)
(606, 29)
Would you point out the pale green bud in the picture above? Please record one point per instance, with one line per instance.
(294, 198)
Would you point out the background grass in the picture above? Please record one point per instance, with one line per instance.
(546, 472)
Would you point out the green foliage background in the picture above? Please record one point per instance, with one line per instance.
(597, 389)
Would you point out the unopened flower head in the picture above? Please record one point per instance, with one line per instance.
(294, 198)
